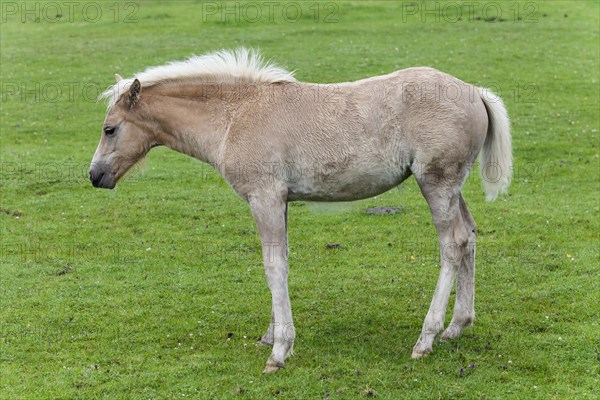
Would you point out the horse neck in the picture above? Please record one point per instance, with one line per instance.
(189, 121)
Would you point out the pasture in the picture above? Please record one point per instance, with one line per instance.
(157, 290)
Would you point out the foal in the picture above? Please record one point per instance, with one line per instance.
(276, 140)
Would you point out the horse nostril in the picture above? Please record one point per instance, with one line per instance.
(96, 178)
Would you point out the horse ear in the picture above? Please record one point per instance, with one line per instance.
(134, 93)
(118, 77)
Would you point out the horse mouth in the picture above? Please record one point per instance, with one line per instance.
(102, 180)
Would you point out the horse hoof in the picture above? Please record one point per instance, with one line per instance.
(420, 351)
(452, 332)
(417, 355)
(271, 368)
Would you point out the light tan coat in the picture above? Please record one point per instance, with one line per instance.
(276, 140)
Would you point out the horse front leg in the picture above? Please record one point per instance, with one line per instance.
(270, 212)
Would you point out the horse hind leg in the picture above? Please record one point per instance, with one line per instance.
(442, 192)
(268, 338)
(464, 307)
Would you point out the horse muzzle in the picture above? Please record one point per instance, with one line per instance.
(102, 179)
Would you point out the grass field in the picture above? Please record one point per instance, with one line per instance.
(156, 290)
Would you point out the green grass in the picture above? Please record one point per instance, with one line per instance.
(132, 293)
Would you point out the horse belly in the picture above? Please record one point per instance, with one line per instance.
(326, 183)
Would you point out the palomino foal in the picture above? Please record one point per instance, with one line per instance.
(276, 140)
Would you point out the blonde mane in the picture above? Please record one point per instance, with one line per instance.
(224, 66)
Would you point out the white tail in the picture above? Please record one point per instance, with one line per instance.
(496, 155)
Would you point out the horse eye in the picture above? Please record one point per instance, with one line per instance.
(109, 130)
